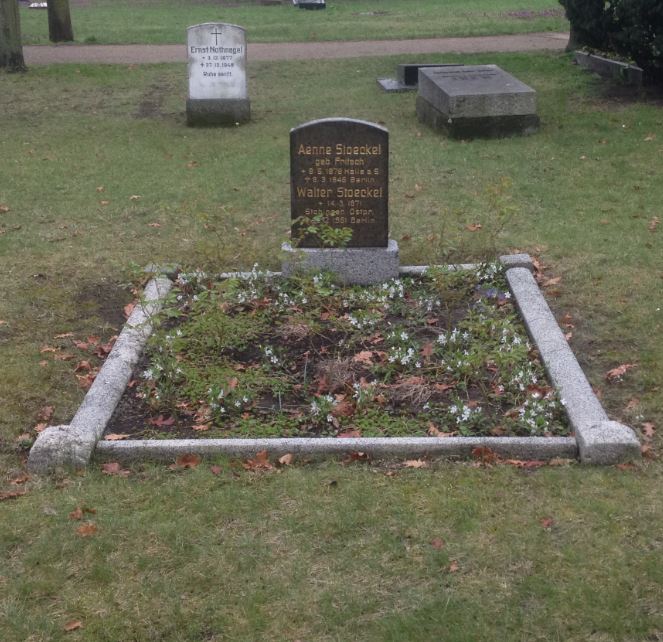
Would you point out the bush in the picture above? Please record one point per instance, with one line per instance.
(631, 28)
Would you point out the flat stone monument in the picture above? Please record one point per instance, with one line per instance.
(310, 4)
(217, 75)
(339, 180)
(407, 76)
(476, 101)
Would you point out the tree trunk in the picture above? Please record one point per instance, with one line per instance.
(574, 40)
(59, 21)
(11, 50)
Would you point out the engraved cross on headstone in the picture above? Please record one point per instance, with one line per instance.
(216, 35)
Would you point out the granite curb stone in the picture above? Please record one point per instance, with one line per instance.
(542, 448)
(598, 440)
(72, 445)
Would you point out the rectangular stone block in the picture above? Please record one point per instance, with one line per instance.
(475, 100)
(361, 265)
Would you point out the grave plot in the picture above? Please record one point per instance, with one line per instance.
(344, 350)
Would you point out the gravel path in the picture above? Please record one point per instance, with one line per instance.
(137, 54)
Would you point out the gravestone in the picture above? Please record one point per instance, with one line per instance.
(310, 4)
(217, 75)
(407, 76)
(339, 179)
(476, 100)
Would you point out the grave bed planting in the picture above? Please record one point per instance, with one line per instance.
(441, 354)
(434, 363)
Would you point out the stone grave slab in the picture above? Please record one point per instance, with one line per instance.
(310, 4)
(476, 101)
(407, 76)
(218, 92)
(339, 179)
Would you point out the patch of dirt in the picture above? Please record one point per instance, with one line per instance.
(103, 299)
(150, 105)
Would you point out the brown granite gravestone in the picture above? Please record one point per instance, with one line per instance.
(339, 176)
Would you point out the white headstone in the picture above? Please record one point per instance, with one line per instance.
(217, 61)
(217, 74)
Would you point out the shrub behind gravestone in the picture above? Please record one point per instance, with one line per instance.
(631, 28)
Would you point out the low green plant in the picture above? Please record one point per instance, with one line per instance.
(316, 358)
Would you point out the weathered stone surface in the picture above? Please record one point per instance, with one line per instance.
(218, 93)
(383, 447)
(361, 266)
(72, 445)
(599, 439)
(339, 178)
(475, 100)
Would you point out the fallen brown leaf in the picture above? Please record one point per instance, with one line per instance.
(484, 454)
(454, 567)
(287, 459)
(415, 463)
(114, 468)
(114, 436)
(653, 224)
(473, 227)
(437, 543)
(215, 470)
(128, 309)
(11, 494)
(87, 530)
(4, 208)
(617, 373)
(349, 434)
(189, 460)
(547, 522)
(648, 429)
(260, 462)
(74, 625)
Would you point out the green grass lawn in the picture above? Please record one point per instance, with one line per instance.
(165, 21)
(324, 551)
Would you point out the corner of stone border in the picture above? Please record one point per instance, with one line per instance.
(517, 260)
(59, 447)
(606, 443)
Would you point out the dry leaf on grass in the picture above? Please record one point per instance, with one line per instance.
(415, 463)
(87, 530)
(287, 459)
(454, 567)
(74, 625)
(11, 494)
(114, 436)
(259, 462)
(617, 373)
(114, 468)
(547, 522)
(437, 543)
(648, 429)
(189, 460)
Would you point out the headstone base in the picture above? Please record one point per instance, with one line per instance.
(476, 127)
(210, 111)
(356, 265)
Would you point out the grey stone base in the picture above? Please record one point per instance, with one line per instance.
(355, 265)
(217, 112)
(479, 127)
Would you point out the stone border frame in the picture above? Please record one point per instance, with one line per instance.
(597, 440)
